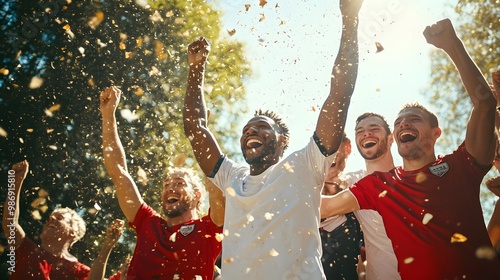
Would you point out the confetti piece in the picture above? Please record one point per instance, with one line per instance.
(231, 32)
(487, 253)
(54, 108)
(457, 237)
(268, 216)
(250, 218)
(3, 133)
(97, 207)
(273, 253)
(38, 201)
(42, 193)
(4, 71)
(36, 215)
(421, 177)
(288, 167)
(382, 194)
(262, 3)
(409, 260)
(53, 147)
(172, 237)
(228, 260)
(262, 17)
(219, 237)
(247, 7)
(230, 191)
(36, 82)
(128, 115)
(427, 218)
(96, 19)
(379, 47)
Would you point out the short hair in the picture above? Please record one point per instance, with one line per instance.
(191, 178)
(371, 114)
(279, 122)
(433, 119)
(76, 222)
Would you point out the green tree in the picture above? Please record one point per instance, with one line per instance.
(477, 24)
(56, 57)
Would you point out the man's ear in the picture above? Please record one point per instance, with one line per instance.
(437, 132)
(390, 140)
(283, 140)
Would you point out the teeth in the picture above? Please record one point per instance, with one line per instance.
(369, 144)
(251, 143)
(254, 141)
(407, 137)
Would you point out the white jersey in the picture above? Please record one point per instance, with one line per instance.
(272, 219)
(381, 260)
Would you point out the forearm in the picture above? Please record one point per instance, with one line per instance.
(217, 203)
(333, 115)
(195, 111)
(98, 268)
(10, 220)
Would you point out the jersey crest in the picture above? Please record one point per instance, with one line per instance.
(186, 230)
(440, 169)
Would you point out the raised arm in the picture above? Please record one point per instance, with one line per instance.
(113, 233)
(10, 221)
(114, 156)
(332, 117)
(341, 203)
(479, 138)
(217, 203)
(205, 148)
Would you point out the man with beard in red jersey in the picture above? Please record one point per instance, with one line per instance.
(430, 206)
(51, 259)
(182, 246)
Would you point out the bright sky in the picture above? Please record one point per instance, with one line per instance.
(292, 47)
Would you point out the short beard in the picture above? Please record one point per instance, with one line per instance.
(267, 155)
(380, 151)
(176, 211)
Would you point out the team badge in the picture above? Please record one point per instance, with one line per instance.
(186, 230)
(440, 169)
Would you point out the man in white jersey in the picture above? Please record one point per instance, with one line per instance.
(272, 206)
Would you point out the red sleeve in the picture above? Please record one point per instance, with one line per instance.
(143, 214)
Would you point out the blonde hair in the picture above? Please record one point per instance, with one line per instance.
(76, 222)
(189, 175)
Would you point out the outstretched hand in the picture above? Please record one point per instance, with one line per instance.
(198, 52)
(114, 231)
(441, 34)
(110, 97)
(493, 185)
(350, 7)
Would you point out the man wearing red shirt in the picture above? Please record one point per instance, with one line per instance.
(183, 246)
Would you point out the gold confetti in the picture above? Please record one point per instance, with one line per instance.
(457, 237)
(230, 191)
(273, 253)
(3, 133)
(54, 108)
(4, 71)
(53, 147)
(262, 3)
(172, 237)
(486, 253)
(97, 207)
(247, 7)
(382, 194)
(96, 19)
(288, 167)
(421, 177)
(228, 260)
(231, 32)
(36, 215)
(250, 218)
(29, 130)
(36, 82)
(379, 47)
(180, 159)
(409, 260)
(268, 216)
(38, 202)
(219, 237)
(427, 218)
(42, 193)
(262, 17)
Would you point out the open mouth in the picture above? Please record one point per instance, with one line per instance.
(368, 144)
(172, 199)
(406, 137)
(253, 143)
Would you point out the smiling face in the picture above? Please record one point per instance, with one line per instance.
(58, 227)
(372, 138)
(415, 134)
(261, 142)
(178, 195)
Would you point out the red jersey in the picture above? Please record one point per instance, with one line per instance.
(29, 256)
(184, 251)
(434, 218)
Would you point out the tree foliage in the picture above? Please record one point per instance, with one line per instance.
(56, 57)
(477, 24)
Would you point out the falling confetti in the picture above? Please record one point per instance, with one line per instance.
(273, 253)
(250, 218)
(219, 237)
(3, 133)
(247, 7)
(487, 253)
(262, 17)
(172, 237)
(97, 207)
(36, 82)
(142, 175)
(4, 71)
(53, 147)
(409, 260)
(268, 216)
(96, 19)
(231, 32)
(54, 108)
(421, 177)
(288, 167)
(427, 218)
(262, 3)
(36, 215)
(128, 115)
(457, 237)
(379, 47)
(228, 260)
(382, 194)
(230, 191)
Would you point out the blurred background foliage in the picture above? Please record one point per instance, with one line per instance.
(58, 55)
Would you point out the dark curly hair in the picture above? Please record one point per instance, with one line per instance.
(279, 122)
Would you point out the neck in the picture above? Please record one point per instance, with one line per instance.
(57, 248)
(410, 164)
(383, 163)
